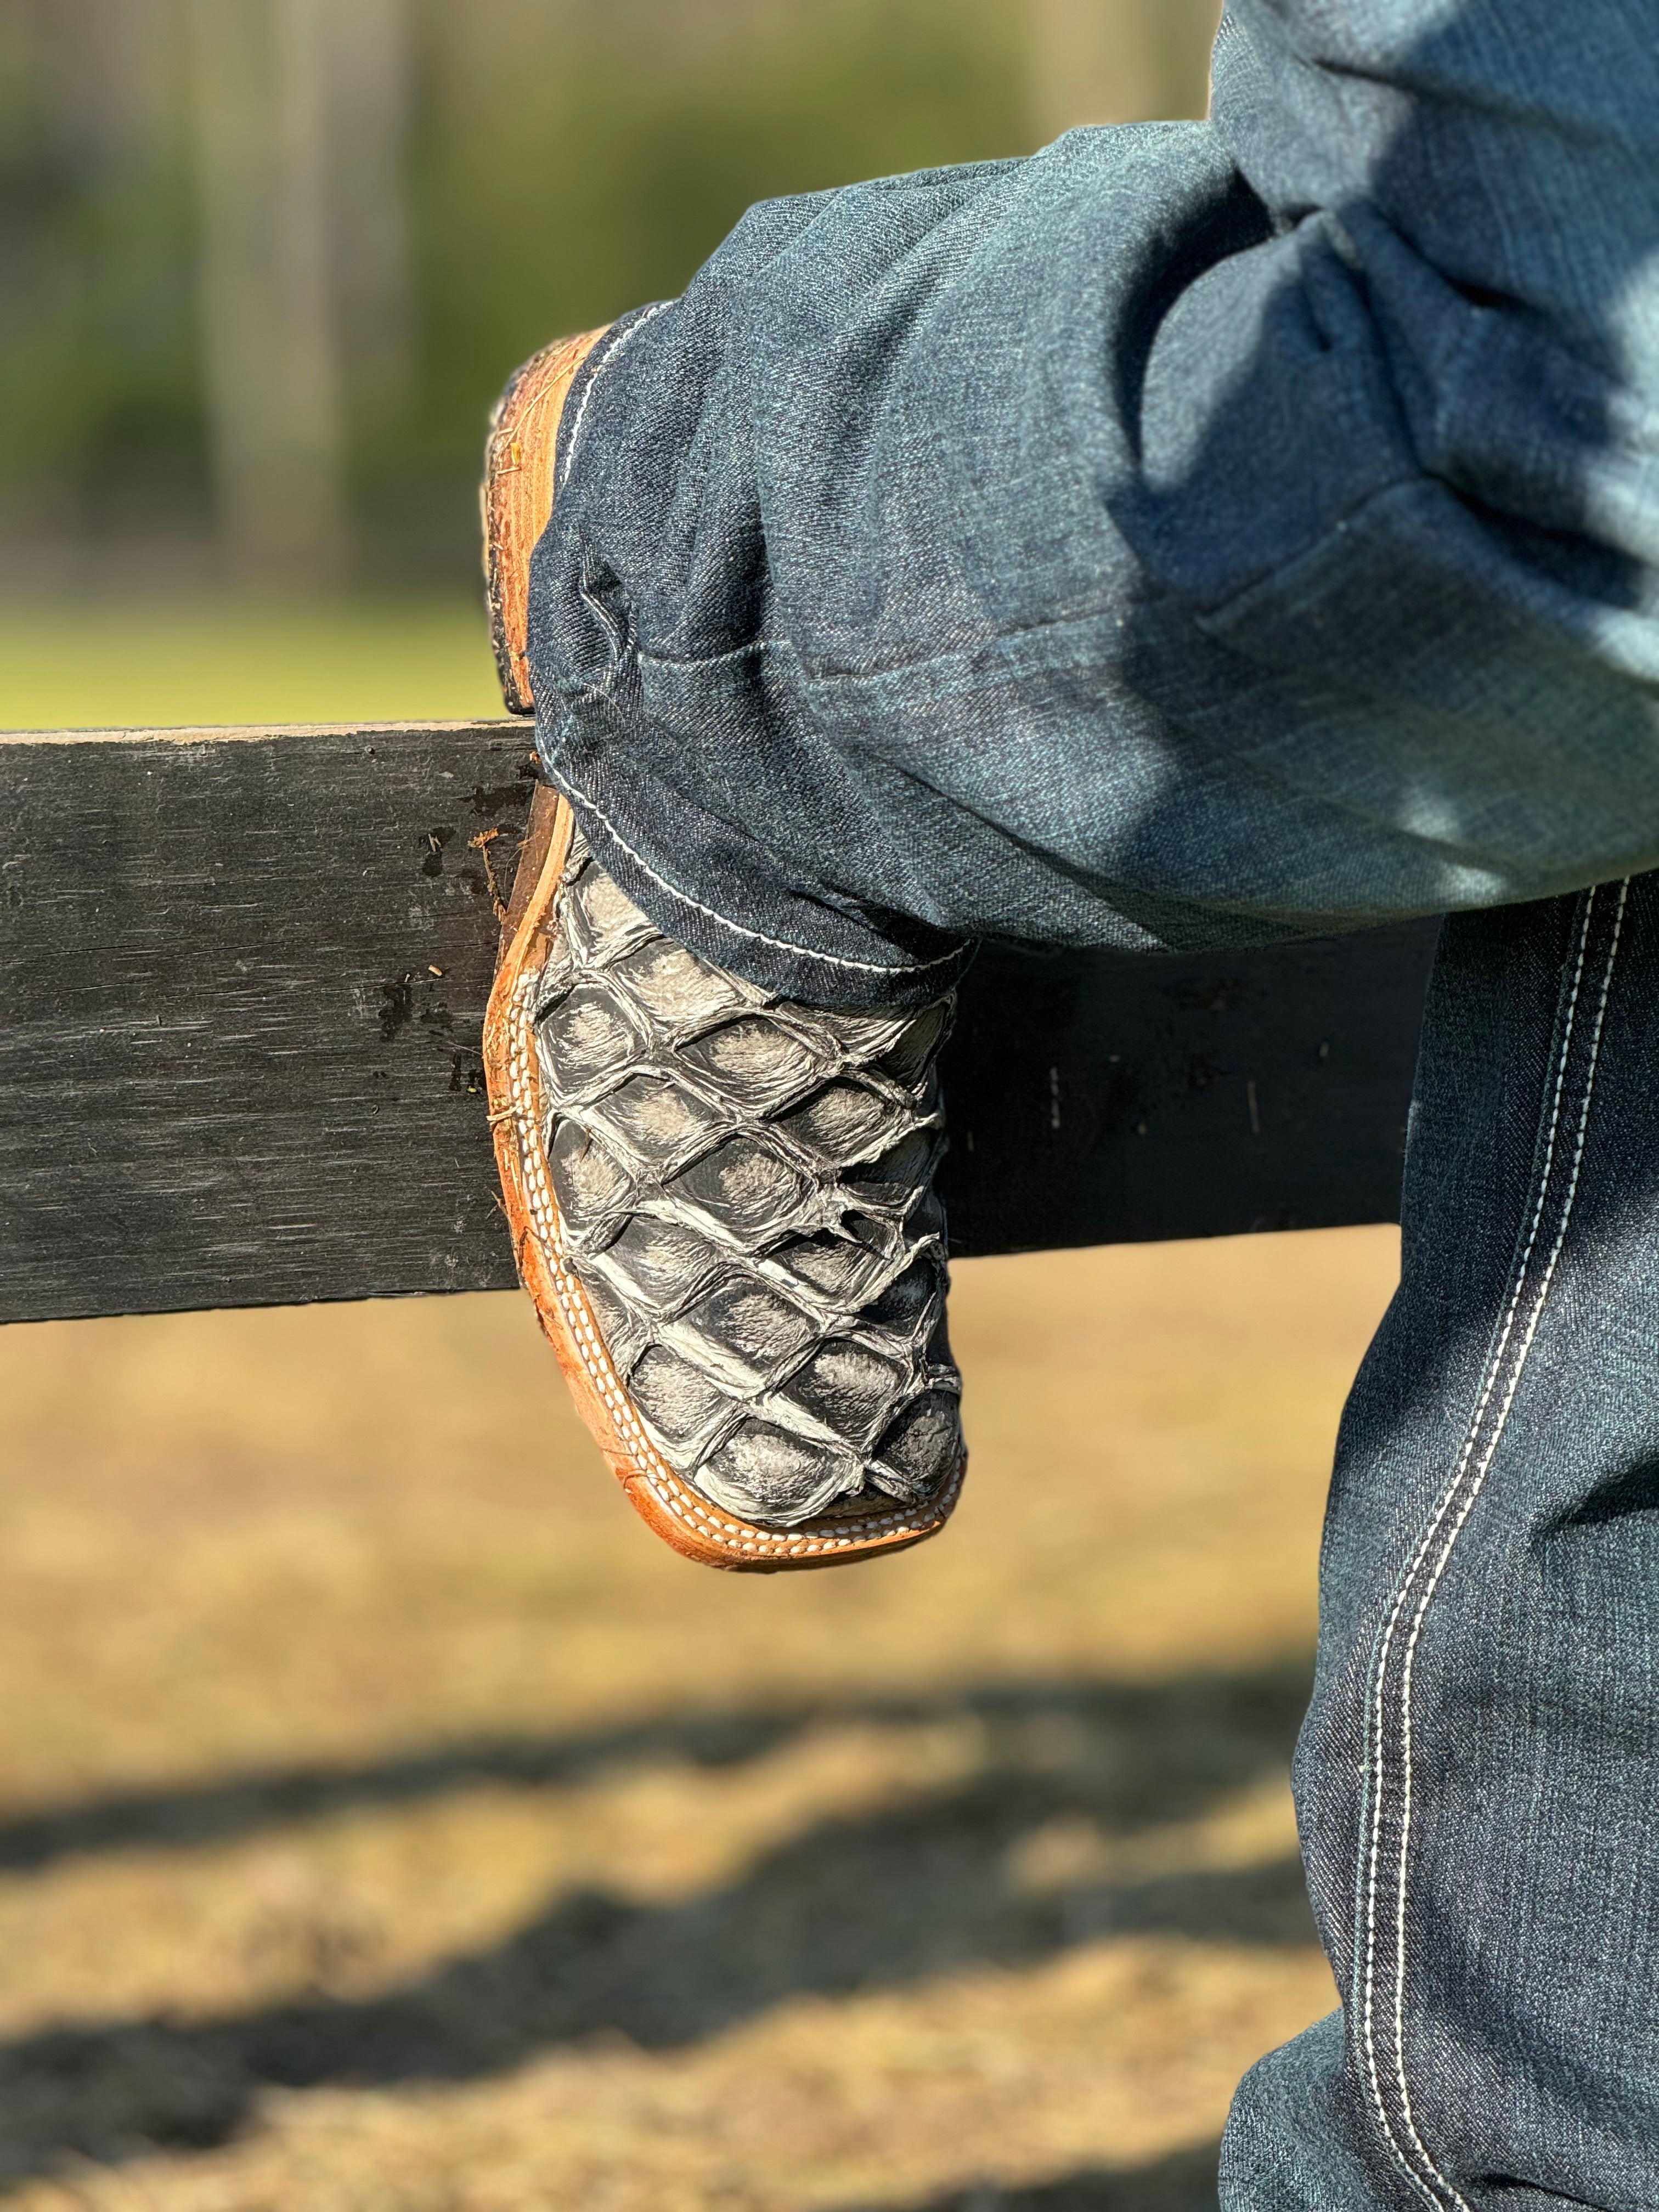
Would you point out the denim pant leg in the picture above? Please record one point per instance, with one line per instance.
(1478, 1778)
(1194, 534)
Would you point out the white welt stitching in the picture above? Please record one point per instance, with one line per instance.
(759, 937)
(1495, 1360)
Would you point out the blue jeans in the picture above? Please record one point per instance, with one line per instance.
(1199, 534)
(1477, 1778)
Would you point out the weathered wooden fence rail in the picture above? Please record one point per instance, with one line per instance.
(242, 976)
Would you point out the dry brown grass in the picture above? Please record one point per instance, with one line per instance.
(389, 1825)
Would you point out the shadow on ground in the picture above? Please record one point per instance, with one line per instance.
(878, 1900)
(1183, 2181)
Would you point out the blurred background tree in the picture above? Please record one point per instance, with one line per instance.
(264, 263)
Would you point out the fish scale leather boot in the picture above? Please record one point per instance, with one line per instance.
(722, 1201)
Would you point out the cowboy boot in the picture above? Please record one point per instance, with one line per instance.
(722, 1201)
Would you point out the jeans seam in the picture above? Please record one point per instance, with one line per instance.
(616, 631)
(609, 355)
(896, 972)
(1209, 618)
(1494, 1359)
(695, 664)
(1371, 1849)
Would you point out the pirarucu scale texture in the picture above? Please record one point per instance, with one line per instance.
(746, 1191)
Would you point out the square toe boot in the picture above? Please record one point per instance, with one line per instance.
(722, 1201)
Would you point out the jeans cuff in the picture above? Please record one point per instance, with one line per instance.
(720, 892)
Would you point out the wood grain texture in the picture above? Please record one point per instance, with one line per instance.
(242, 982)
(1103, 1099)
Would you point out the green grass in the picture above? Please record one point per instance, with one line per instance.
(137, 667)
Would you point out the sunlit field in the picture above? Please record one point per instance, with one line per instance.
(388, 1823)
(101, 666)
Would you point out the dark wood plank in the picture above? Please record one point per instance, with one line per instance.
(1097, 1098)
(241, 983)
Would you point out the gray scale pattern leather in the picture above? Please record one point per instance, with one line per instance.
(746, 1188)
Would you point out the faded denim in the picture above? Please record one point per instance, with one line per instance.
(1197, 533)
(1478, 1778)
(1208, 534)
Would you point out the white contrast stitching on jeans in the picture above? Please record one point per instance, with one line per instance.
(1490, 1382)
(609, 355)
(778, 944)
(1374, 1745)
(1494, 1364)
(1475, 1488)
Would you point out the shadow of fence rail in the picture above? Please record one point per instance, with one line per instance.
(881, 1899)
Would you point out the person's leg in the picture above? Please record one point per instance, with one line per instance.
(1477, 1776)
(1186, 536)
(1205, 534)
(1195, 533)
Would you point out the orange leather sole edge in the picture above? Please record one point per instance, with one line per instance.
(516, 499)
(679, 1513)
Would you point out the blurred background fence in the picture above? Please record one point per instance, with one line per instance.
(264, 263)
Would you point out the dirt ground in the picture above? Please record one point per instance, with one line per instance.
(389, 1824)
